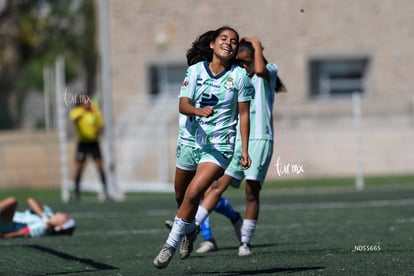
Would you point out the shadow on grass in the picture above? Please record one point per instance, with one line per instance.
(90, 263)
(266, 270)
(269, 270)
(264, 245)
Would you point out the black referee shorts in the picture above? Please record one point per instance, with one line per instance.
(88, 148)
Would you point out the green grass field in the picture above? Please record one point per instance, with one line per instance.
(314, 227)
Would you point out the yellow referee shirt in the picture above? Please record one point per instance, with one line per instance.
(88, 123)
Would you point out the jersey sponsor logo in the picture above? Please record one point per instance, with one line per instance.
(208, 100)
(185, 83)
(211, 84)
(199, 81)
(207, 82)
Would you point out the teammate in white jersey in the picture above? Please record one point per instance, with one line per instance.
(38, 220)
(266, 82)
(215, 93)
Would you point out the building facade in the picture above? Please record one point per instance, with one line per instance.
(326, 51)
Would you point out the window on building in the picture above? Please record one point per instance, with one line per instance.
(166, 78)
(337, 77)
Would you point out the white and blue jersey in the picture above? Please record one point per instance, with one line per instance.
(261, 131)
(222, 92)
(34, 223)
(261, 105)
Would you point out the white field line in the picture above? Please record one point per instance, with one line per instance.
(338, 204)
(267, 207)
(161, 230)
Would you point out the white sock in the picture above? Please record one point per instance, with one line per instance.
(190, 227)
(177, 232)
(247, 230)
(201, 214)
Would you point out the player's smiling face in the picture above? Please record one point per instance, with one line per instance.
(224, 46)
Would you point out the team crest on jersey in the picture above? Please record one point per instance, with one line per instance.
(229, 84)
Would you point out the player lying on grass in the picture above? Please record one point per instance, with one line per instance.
(38, 220)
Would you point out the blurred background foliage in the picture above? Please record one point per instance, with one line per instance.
(32, 35)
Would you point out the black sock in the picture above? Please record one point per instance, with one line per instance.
(103, 180)
(77, 184)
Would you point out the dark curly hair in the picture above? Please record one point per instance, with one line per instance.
(200, 49)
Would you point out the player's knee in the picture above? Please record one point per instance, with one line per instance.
(218, 188)
(12, 198)
(252, 191)
(179, 200)
(251, 197)
(10, 201)
(193, 196)
(215, 189)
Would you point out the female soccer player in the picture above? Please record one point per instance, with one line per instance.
(38, 220)
(266, 82)
(214, 93)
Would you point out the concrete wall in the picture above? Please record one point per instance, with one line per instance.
(29, 159)
(318, 133)
(380, 29)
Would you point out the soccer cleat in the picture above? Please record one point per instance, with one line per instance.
(169, 224)
(207, 246)
(164, 257)
(237, 226)
(244, 250)
(75, 197)
(187, 243)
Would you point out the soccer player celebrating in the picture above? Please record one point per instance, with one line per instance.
(266, 82)
(214, 93)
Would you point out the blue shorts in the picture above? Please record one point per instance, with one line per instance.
(188, 158)
(10, 227)
(260, 151)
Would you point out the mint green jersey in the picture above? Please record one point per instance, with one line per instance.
(222, 92)
(37, 227)
(261, 105)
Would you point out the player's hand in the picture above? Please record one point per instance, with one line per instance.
(245, 162)
(206, 111)
(256, 43)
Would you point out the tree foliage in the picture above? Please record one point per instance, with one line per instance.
(32, 35)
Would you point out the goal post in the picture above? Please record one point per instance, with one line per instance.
(359, 173)
(58, 81)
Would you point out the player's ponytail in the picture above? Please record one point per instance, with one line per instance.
(280, 86)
